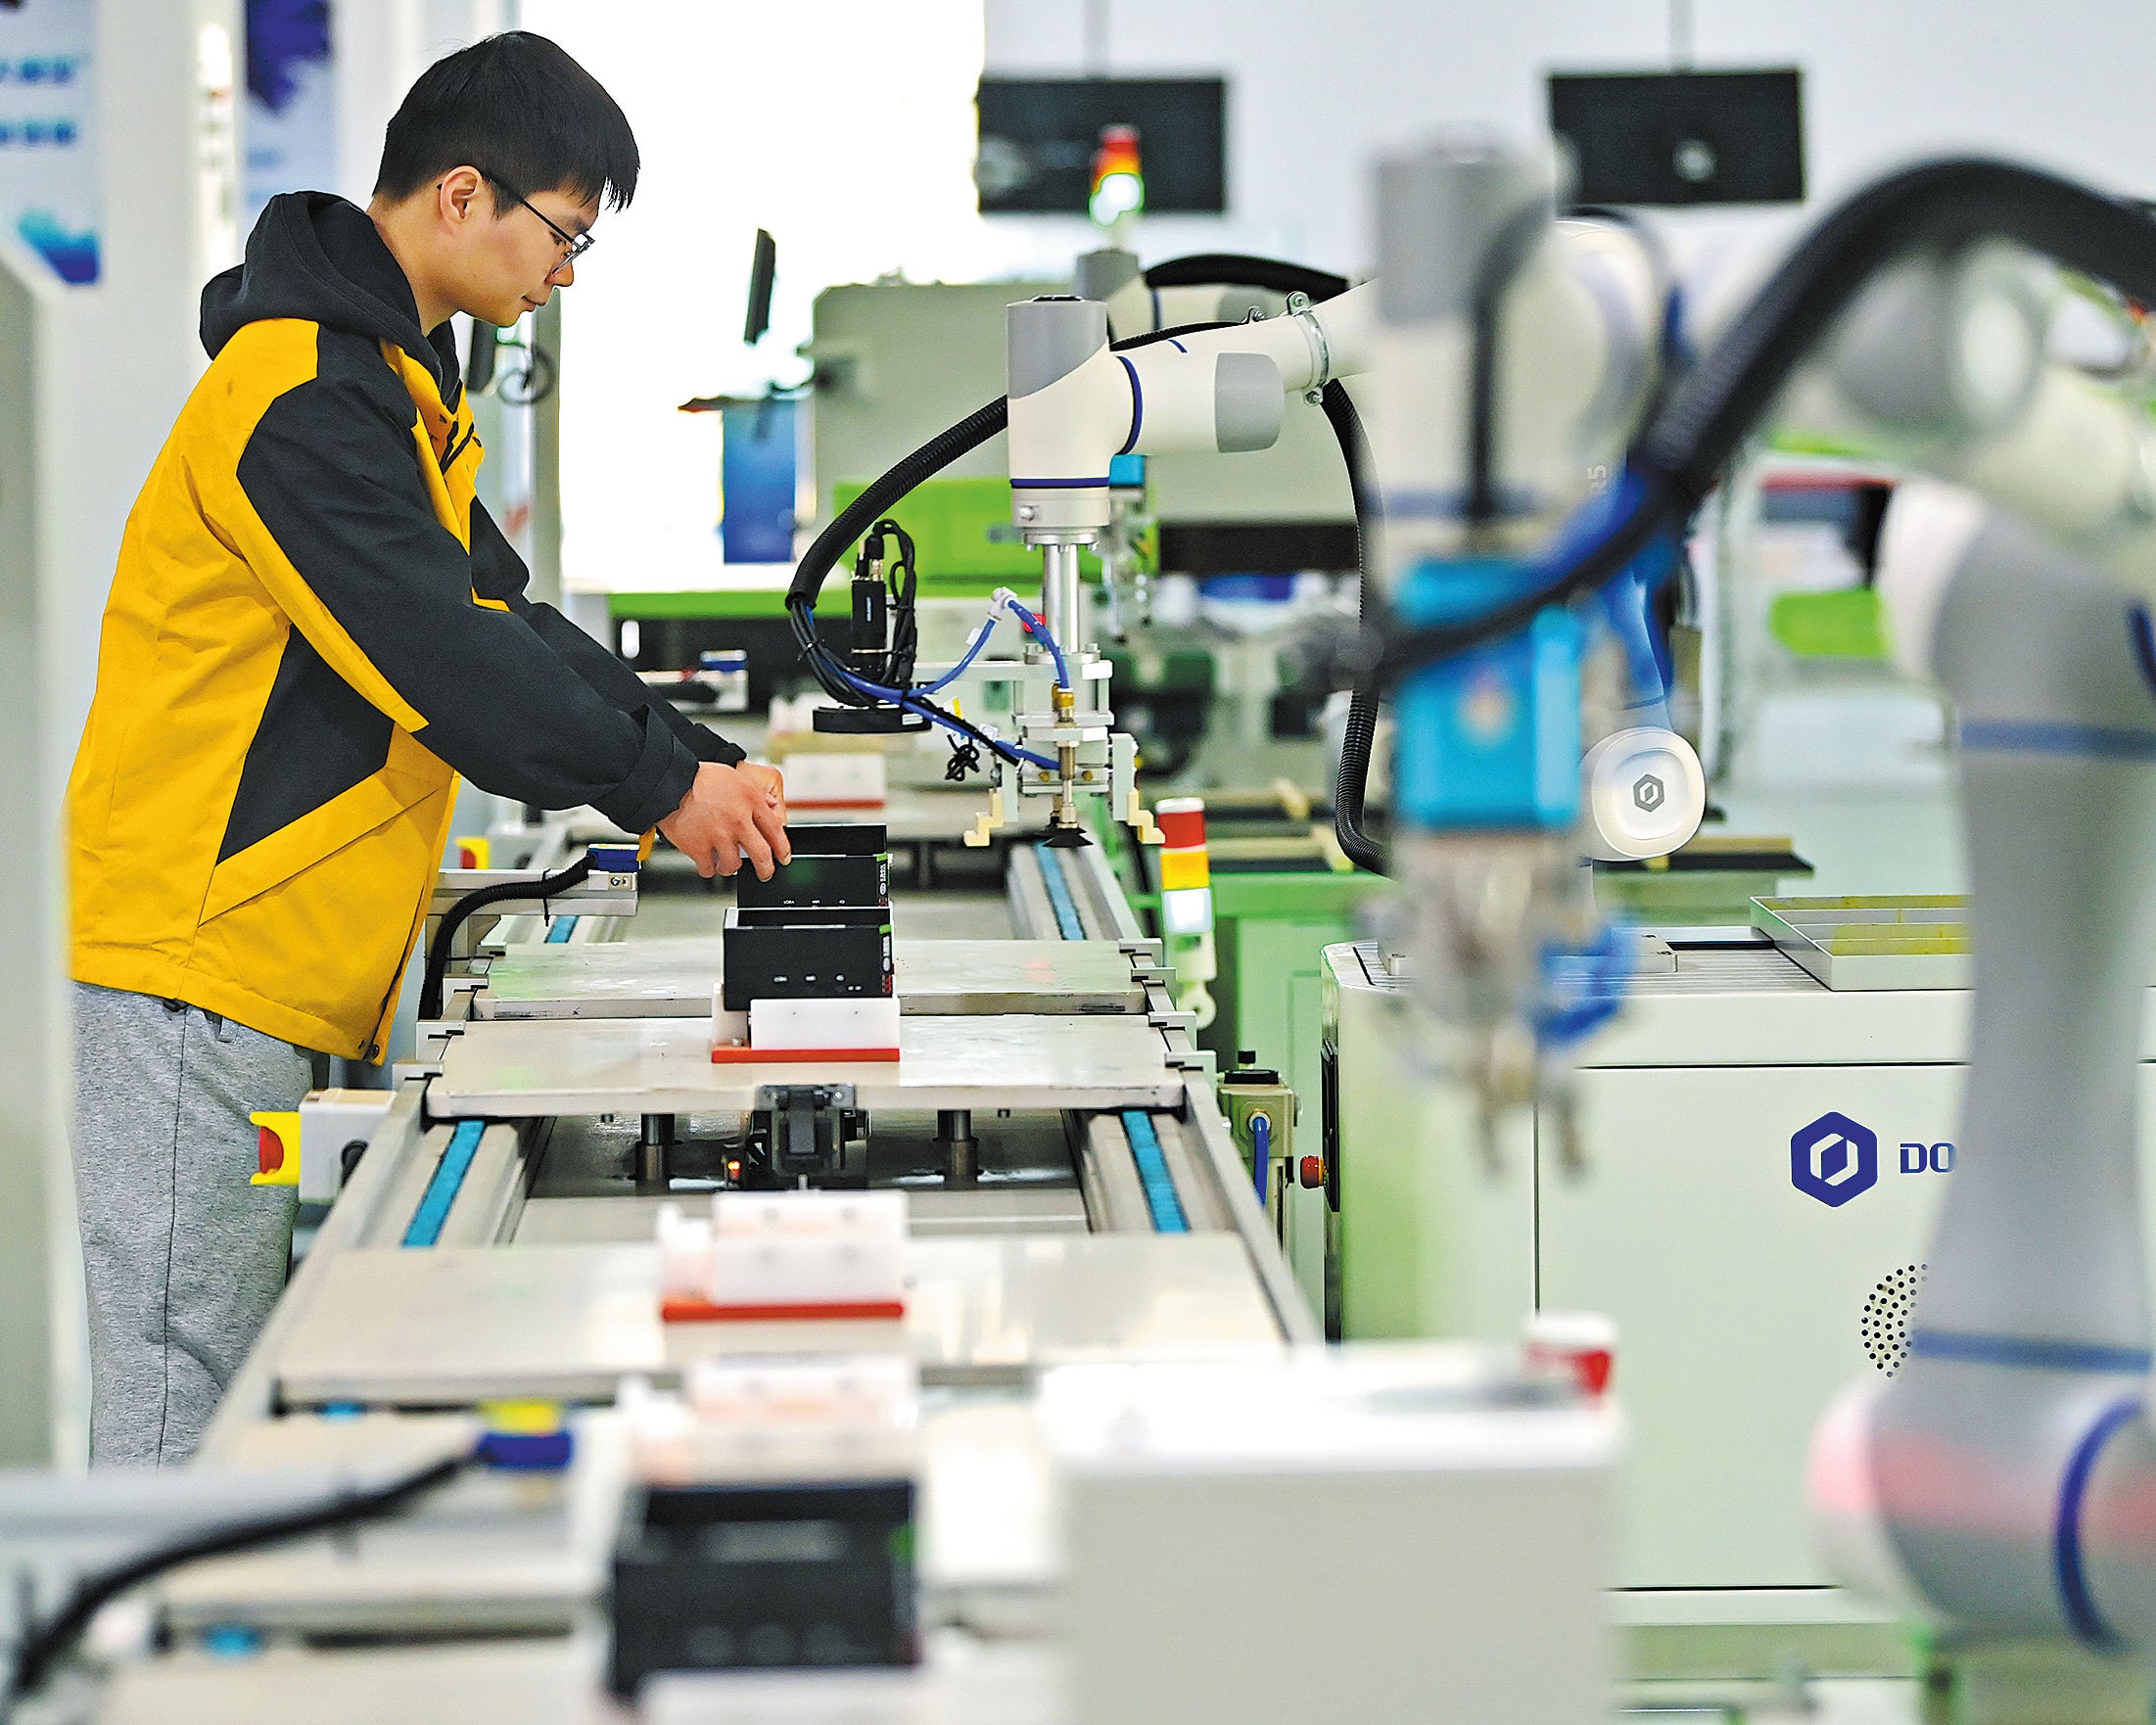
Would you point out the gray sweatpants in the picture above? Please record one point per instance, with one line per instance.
(183, 1257)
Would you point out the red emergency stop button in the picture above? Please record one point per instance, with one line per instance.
(1313, 1171)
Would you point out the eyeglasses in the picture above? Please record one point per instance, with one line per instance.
(573, 246)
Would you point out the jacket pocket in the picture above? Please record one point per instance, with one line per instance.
(411, 776)
(328, 941)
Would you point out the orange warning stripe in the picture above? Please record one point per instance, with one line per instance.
(684, 1311)
(735, 1054)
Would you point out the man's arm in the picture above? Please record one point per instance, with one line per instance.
(499, 573)
(335, 519)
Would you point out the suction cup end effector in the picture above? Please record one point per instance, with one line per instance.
(1643, 794)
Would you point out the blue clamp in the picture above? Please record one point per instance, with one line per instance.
(613, 858)
(528, 1452)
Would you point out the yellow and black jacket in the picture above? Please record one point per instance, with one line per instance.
(313, 629)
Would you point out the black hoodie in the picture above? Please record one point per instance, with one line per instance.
(314, 256)
(313, 620)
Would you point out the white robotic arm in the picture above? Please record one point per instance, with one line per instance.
(1997, 1486)
(1076, 404)
(1590, 299)
(2001, 1484)
(1135, 309)
(1941, 367)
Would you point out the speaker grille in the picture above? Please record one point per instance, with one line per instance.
(1888, 1315)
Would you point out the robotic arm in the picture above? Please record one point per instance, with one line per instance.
(1209, 288)
(1941, 368)
(2001, 1484)
(1998, 1483)
(1077, 404)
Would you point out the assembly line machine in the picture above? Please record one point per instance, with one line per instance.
(1089, 1391)
(496, 1238)
(862, 1326)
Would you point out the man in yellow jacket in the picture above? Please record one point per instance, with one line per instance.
(314, 628)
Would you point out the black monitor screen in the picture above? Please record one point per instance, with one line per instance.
(1039, 135)
(1692, 137)
(763, 273)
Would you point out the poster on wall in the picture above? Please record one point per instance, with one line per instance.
(290, 128)
(50, 196)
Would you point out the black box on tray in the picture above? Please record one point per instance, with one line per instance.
(716, 1577)
(786, 953)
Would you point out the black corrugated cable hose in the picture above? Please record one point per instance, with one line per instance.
(1934, 206)
(1508, 251)
(883, 494)
(455, 918)
(44, 1644)
(1351, 784)
(1229, 269)
(856, 519)
(1235, 269)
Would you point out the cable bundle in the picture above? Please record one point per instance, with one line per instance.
(860, 517)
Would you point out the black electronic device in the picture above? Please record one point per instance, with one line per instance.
(763, 273)
(877, 722)
(813, 879)
(872, 601)
(1682, 137)
(740, 1575)
(808, 1133)
(1038, 137)
(839, 838)
(884, 635)
(835, 951)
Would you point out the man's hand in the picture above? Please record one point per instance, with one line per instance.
(730, 814)
(772, 779)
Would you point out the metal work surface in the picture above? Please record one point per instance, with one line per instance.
(453, 1327)
(556, 1680)
(1743, 1003)
(961, 1681)
(1012, 1207)
(1755, 1007)
(664, 1066)
(1872, 943)
(674, 978)
(552, 1680)
(488, 1553)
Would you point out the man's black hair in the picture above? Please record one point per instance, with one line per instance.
(521, 111)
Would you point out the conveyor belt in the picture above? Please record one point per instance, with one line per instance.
(1067, 921)
(448, 1178)
(1092, 899)
(1154, 1173)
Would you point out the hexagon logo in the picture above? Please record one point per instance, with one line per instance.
(1647, 792)
(1833, 1160)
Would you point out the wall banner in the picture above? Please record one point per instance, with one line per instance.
(51, 196)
